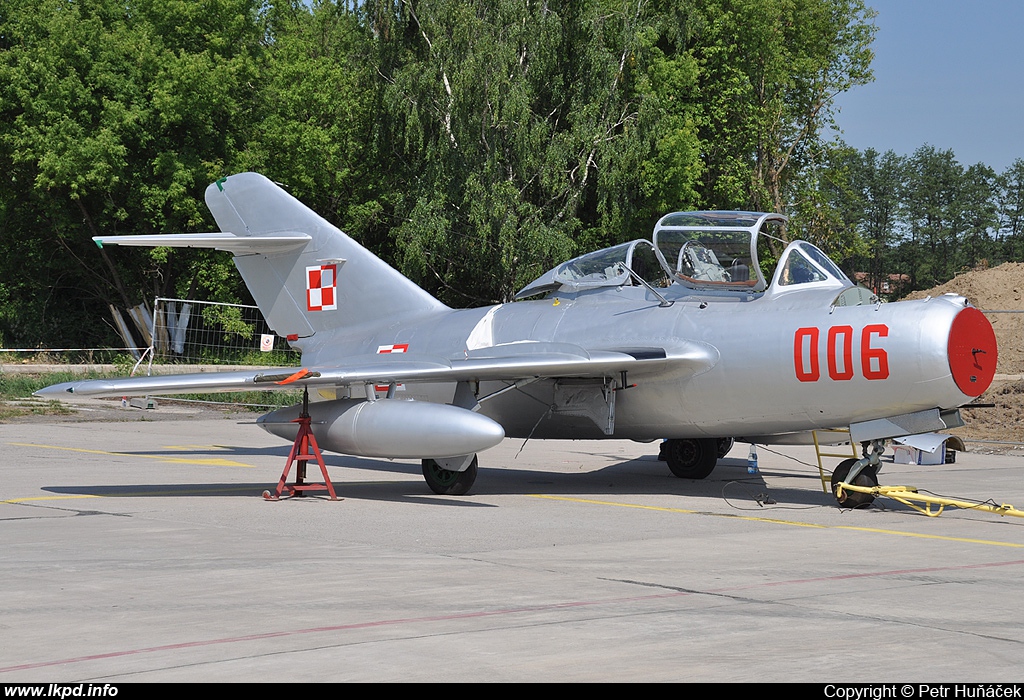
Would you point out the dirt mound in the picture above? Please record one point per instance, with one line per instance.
(1003, 423)
(998, 289)
(995, 288)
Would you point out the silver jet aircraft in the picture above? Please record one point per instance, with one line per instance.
(680, 338)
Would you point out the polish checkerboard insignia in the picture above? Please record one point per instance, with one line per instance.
(322, 288)
(386, 349)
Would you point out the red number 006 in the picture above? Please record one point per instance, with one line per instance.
(874, 362)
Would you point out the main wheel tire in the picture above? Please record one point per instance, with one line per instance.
(724, 445)
(853, 499)
(445, 482)
(690, 458)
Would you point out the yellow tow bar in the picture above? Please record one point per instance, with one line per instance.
(906, 494)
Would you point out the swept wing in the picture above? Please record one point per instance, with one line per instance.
(528, 360)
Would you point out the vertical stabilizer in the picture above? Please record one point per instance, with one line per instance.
(330, 282)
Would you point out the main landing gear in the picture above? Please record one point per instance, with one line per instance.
(692, 458)
(444, 478)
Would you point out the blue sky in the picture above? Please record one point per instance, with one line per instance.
(949, 73)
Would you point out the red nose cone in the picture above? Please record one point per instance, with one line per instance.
(972, 351)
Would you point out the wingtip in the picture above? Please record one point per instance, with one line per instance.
(69, 391)
(54, 391)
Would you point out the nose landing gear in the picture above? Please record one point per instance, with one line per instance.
(858, 472)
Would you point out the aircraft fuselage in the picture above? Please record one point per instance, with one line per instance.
(805, 365)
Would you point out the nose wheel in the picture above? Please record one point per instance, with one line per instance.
(867, 478)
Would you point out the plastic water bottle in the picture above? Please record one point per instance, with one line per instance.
(752, 460)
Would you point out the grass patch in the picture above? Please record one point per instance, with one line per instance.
(254, 400)
(9, 412)
(53, 407)
(16, 385)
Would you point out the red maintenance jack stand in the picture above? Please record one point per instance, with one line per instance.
(304, 449)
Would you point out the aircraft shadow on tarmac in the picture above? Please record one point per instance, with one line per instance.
(641, 476)
(647, 476)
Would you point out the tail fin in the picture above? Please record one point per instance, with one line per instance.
(330, 282)
(305, 274)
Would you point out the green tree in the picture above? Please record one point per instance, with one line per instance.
(826, 208)
(511, 129)
(977, 218)
(665, 86)
(313, 107)
(114, 115)
(873, 207)
(1010, 195)
(934, 179)
(771, 70)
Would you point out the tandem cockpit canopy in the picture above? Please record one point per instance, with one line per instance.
(707, 250)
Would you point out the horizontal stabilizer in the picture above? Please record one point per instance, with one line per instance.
(239, 245)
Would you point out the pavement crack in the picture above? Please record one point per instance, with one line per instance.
(72, 512)
(678, 589)
(790, 604)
